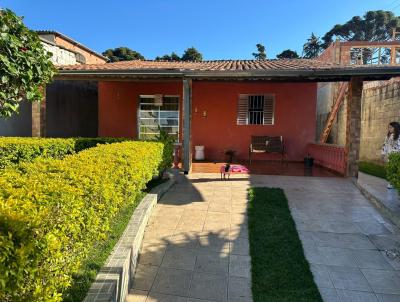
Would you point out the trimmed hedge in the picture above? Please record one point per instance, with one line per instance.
(393, 170)
(14, 150)
(82, 143)
(372, 169)
(53, 211)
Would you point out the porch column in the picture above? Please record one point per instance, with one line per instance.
(187, 112)
(39, 117)
(353, 125)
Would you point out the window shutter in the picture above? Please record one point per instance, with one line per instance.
(243, 109)
(269, 105)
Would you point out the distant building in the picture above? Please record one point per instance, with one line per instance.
(67, 51)
(64, 118)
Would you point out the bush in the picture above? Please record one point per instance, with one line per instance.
(372, 169)
(168, 142)
(14, 150)
(393, 170)
(53, 211)
(82, 143)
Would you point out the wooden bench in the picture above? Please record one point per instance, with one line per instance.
(267, 144)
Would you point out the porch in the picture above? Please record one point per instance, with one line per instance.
(267, 167)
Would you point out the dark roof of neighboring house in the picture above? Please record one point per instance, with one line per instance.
(72, 41)
(309, 69)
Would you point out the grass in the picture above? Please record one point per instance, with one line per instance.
(280, 271)
(372, 169)
(98, 255)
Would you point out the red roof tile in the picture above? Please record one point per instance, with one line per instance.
(218, 65)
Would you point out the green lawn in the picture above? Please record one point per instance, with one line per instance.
(280, 271)
(372, 169)
(98, 255)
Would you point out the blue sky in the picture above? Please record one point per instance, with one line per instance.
(220, 29)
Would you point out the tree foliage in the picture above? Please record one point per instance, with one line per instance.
(313, 47)
(192, 54)
(172, 57)
(25, 66)
(288, 54)
(261, 54)
(373, 26)
(122, 54)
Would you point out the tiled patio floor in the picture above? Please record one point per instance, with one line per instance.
(263, 167)
(196, 247)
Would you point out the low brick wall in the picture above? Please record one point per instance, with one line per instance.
(114, 278)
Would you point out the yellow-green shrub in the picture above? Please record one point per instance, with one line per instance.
(14, 150)
(52, 211)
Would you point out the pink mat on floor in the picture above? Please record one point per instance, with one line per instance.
(235, 169)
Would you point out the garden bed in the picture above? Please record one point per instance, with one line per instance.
(280, 271)
(372, 168)
(54, 211)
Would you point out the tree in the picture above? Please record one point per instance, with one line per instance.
(261, 54)
(25, 66)
(192, 54)
(122, 54)
(172, 57)
(288, 54)
(313, 47)
(373, 26)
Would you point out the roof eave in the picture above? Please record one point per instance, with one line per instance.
(311, 74)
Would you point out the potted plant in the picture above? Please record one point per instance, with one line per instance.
(229, 154)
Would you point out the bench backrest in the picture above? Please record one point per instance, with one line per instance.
(267, 143)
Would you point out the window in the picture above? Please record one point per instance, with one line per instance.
(255, 109)
(370, 55)
(158, 111)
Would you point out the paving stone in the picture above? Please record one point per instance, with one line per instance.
(144, 277)
(157, 297)
(371, 259)
(172, 282)
(209, 287)
(179, 258)
(152, 254)
(348, 278)
(329, 294)
(239, 266)
(385, 282)
(239, 246)
(239, 289)
(212, 263)
(388, 298)
(321, 275)
(356, 296)
(137, 296)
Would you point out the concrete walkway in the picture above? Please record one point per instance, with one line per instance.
(196, 244)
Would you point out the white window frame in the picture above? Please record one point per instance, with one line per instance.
(139, 118)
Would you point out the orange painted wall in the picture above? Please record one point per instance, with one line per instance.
(118, 104)
(295, 117)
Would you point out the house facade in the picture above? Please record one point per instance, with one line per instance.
(132, 110)
(221, 104)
